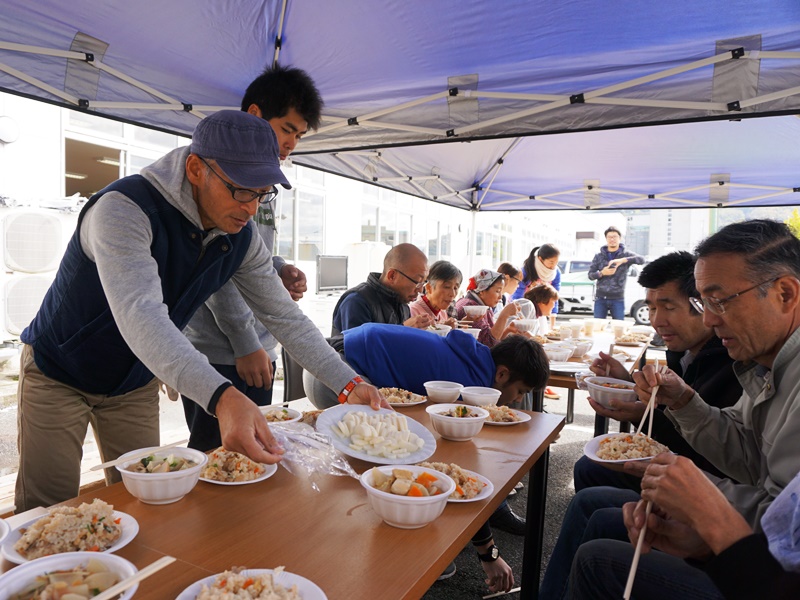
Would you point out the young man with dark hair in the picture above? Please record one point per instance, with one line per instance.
(610, 269)
(236, 344)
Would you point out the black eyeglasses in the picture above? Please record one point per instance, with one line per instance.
(244, 195)
(718, 306)
(417, 284)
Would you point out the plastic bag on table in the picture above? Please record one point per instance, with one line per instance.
(310, 454)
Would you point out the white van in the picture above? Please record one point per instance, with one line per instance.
(577, 291)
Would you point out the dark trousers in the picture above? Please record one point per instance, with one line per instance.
(616, 306)
(204, 432)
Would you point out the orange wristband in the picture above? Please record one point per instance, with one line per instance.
(349, 388)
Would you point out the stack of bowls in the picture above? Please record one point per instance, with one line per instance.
(480, 396)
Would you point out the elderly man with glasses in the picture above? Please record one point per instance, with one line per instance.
(748, 278)
(149, 249)
(384, 297)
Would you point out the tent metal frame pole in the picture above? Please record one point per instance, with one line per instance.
(11, 46)
(473, 236)
(279, 36)
(39, 84)
(379, 113)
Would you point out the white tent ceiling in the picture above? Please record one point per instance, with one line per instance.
(516, 105)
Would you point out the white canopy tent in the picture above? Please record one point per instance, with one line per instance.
(513, 106)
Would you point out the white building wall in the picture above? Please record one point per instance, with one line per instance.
(32, 168)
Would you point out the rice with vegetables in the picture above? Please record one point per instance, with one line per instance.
(89, 527)
(626, 447)
(467, 486)
(232, 585)
(227, 466)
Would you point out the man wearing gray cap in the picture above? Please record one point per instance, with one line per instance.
(148, 250)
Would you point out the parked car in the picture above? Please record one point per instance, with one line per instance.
(577, 291)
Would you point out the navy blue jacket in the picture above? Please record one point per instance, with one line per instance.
(74, 336)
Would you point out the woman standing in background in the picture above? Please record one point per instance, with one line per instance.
(513, 279)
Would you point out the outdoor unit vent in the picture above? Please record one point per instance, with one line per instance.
(24, 296)
(33, 242)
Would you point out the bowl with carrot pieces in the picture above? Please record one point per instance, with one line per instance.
(407, 496)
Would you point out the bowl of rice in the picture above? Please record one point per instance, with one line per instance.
(622, 447)
(84, 574)
(162, 477)
(605, 389)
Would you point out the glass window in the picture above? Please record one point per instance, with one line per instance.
(311, 176)
(93, 123)
(445, 241)
(403, 228)
(388, 226)
(137, 163)
(371, 191)
(433, 240)
(310, 225)
(284, 223)
(369, 223)
(152, 137)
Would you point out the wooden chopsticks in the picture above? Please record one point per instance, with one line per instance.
(123, 585)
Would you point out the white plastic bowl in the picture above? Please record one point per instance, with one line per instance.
(162, 488)
(557, 353)
(604, 395)
(408, 512)
(443, 391)
(473, 331)
(582, 346)
(294, 415)
(19, 578)
(480, 396)
(456, 429)
(475, 311)
(529, 325)
(441, 329)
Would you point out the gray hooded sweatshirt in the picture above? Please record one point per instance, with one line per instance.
(116, 235)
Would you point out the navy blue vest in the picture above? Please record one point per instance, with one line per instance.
(74, 336)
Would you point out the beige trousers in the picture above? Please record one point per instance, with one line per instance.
(52, 421)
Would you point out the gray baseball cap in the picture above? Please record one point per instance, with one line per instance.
(244, 147)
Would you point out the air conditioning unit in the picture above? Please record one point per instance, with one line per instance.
(32, 242)
(23, 297)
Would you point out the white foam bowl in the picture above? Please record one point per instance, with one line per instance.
(474, 311)
(558, 353)
(480, 396)
(294, 415)
(456, 429)
(529, 325)
(604, 395)
(19, 578)
(441, 329)
(443, 391)
(162, 488)
(408, 512)
(582, 346)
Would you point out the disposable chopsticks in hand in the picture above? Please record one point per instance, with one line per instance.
(648, 411)
(635, 562)
(142, 454)
(123, 585)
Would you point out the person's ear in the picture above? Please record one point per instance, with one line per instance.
(789, 290)
(195, 170)
(502, 375)
(253, 109)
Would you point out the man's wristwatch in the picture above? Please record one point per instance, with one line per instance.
(492, 555)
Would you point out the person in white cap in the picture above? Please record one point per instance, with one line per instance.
(148, 250)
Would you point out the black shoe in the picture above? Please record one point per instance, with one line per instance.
(504, 519)
(449, 571)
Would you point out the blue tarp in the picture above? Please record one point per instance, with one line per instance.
(500, 106)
